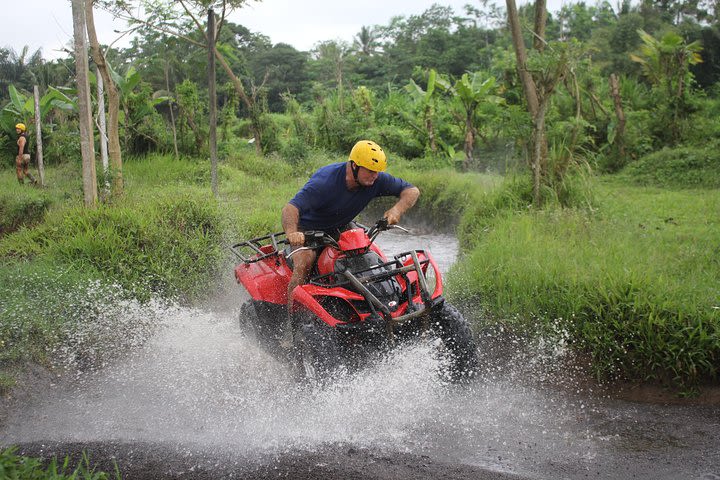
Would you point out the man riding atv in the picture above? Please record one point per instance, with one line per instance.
(333, 196)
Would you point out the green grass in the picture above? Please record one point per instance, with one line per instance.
(683, 167)
(633, 283)
(15, 467)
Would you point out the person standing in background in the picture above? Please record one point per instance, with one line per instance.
(22, 160)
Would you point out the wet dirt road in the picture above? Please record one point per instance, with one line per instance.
(202, 400)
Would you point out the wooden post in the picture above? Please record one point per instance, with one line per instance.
(213, 103)
(38, 137)
(83, 87)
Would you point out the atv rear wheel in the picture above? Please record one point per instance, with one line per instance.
(454, 331)
(316, 349)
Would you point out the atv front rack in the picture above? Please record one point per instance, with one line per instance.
(358, 279)
(259, 248)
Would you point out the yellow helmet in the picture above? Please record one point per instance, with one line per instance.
(368, 154)
(21, 126)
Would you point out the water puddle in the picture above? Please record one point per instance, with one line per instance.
(200, 380)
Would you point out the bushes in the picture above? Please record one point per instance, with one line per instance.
(683, 167)
(169, 246)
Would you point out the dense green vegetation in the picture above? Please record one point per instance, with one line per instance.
(631, 282)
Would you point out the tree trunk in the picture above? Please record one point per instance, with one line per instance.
(113, 103)
(102, 127)
(431, 134)
(172, 113)
(213, 103)
(540, 21)
(83, 88)
(539, 151)
(469, 142)
(249, 103)
(38, 137)
(531, 96)
(536, 100)
(620, 114)
(339, 80)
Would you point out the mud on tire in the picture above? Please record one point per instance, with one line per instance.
(456, 335)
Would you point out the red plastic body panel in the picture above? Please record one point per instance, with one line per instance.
(267, 280)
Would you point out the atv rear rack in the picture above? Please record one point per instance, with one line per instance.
(259, 248)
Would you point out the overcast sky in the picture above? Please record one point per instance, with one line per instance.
(47, 24)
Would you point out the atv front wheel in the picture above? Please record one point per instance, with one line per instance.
(454, 331)
(248, 319)
(317, 350)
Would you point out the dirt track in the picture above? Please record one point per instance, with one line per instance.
(169, 462)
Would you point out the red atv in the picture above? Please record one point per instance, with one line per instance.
(356, 302)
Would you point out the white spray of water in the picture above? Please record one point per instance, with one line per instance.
(198, 379)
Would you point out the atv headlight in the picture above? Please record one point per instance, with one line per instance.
(430, 279)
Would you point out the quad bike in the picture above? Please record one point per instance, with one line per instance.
(356, 302)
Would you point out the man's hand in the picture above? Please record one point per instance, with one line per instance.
(393, 216)
(408, 197)
(296, 239)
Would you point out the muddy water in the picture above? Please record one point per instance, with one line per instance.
(202, 400)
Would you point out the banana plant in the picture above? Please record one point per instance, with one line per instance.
(21, 107)
(425, 102)
(472, 91)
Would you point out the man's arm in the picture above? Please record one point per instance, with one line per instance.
(407, 199)
(290, 219)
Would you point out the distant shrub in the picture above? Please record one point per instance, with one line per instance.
(397, 140)
(682, 167)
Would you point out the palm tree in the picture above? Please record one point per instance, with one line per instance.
(666, 63)
(18, 68)
(365, 41)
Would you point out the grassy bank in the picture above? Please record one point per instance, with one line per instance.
(633, 283)
(629, 278)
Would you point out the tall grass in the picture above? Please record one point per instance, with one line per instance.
(633, 284)
(170, 246)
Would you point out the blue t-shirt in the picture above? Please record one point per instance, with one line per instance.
(325, 203)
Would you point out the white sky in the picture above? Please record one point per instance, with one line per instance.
(47, 24)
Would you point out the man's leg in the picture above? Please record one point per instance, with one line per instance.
(303, 262)
(19, 169)
(26, 168)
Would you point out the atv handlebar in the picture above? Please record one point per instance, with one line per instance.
(317, 238)
(381, 226)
